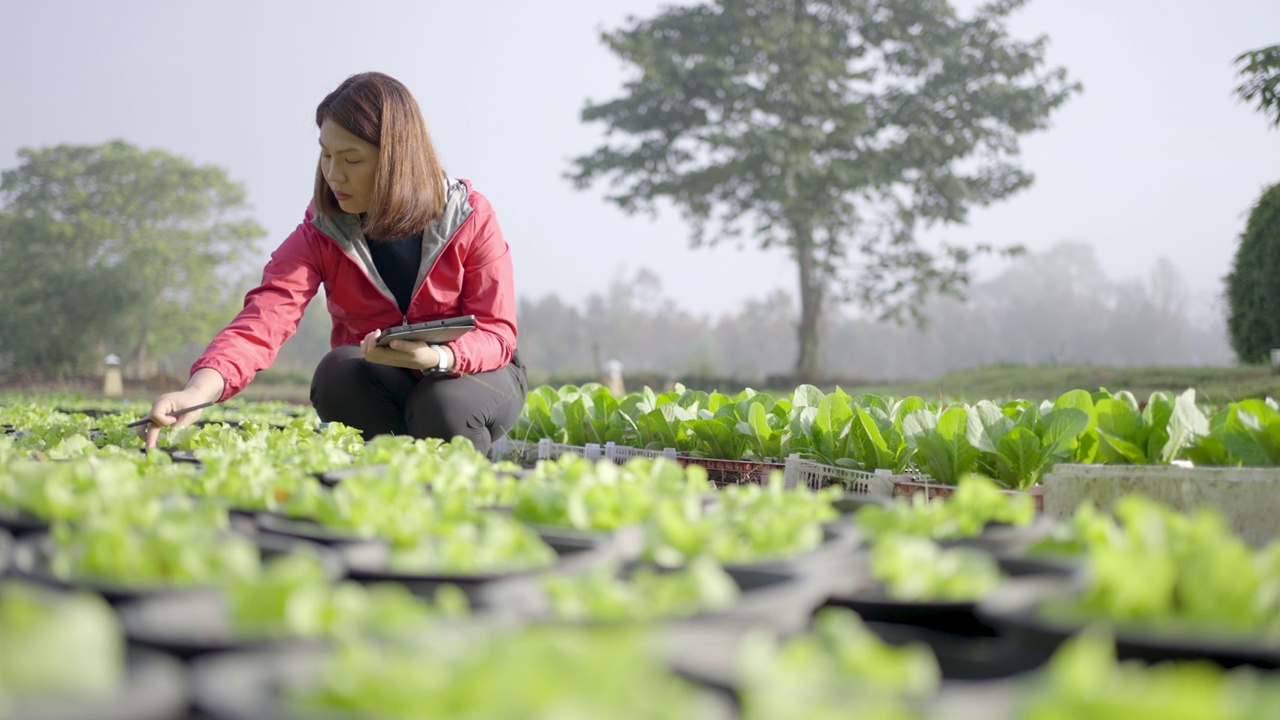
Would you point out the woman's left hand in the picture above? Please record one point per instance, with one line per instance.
(411, 354)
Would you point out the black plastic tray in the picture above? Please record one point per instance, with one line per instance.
(20, 522)
(32, 553)
(771, 599)
(191, 625)
(952, 616)
(1015, 610)
(352, 548)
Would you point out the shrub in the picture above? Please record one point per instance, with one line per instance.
(1253, 285)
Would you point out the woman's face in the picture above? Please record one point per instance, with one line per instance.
(348, 164)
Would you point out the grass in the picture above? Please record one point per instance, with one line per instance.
(1215, 385)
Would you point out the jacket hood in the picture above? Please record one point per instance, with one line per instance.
(344, 229)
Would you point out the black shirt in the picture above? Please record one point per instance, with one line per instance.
(397, 262)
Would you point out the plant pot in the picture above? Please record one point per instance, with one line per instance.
(996, 699)
(627, 541)
(191, 625)
(575, 554)
(836, 563)
(184, 456)
(155, 688)
(1016, 565)
(952, 616)
(353, 549)
(850, 503)
(1004, 538)
(32, 554)
(770, 599)
(965, 657)
(1015, 610)
(331, 478)
(19, 522)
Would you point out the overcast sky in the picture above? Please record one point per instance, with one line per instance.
(1156, 156)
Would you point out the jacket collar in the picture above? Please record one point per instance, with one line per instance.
(344, 229)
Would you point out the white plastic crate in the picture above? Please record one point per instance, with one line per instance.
(930, 489)
(721, 472)
(527, 453)
(800, 472)
(548, 450)
(620, 454)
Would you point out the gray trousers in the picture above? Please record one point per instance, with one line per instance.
(380, 399)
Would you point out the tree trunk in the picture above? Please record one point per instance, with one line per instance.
(811, 296)
(811, 278)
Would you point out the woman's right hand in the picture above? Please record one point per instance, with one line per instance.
(204, 386)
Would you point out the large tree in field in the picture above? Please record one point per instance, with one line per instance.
(133, 245)
(833, 128)
(1253, 285)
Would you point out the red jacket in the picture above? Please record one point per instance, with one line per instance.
(466, 270)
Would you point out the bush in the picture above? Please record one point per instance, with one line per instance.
(1253, 285)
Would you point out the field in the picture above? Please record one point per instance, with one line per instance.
(1039, 382)
(1212, 384)
(280, 567)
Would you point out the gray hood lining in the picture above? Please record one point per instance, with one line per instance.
(344, 229)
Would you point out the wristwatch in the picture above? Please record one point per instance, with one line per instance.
(443, 365)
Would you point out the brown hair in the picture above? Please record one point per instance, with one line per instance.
(409, 185)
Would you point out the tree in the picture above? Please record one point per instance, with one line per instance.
(1260, 84)
(1253, 295)
(57, 317)
(114, 223)
(832, 128)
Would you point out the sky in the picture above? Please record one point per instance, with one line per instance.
(1156, 157)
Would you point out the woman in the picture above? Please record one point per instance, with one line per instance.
(394, 241)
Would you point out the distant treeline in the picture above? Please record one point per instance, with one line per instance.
(1054, 307)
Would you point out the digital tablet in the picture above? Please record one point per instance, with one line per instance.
(432, 331)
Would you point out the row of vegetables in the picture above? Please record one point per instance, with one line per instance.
(1014, 442)
(267, 565)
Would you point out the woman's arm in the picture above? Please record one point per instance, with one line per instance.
(270, 315)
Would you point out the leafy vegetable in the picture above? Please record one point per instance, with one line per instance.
(1084, 680)
(56, 644)
(916, 569)
(976, 503)
(837, 665)
(1175, 573)
(294, 597)
(746, 524)
(646, 593)
(532, 674)
(180, 545)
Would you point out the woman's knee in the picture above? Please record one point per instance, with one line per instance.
(476, 407)
(348, 389)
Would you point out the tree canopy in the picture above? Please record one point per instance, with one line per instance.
(832, 128)
(1259, 71)
(1253, 294)
(114, 248)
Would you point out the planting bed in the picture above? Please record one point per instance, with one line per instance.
(276, 566)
